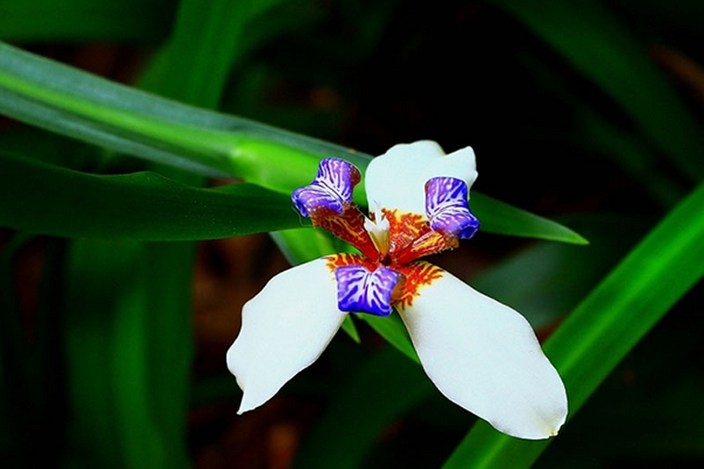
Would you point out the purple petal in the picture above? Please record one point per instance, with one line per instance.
(331, 189)
(362, 291)
(447, 208)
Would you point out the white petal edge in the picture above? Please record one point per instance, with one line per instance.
(285, 328)
(396, 179)
(484, 356)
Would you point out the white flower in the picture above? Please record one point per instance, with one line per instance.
(480, 354)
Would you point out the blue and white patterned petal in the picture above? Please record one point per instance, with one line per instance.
(362, 291)
(447, 209)
(331, 189)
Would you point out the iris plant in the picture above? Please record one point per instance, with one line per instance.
(480, 354)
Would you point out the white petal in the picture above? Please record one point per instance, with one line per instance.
(484, 356)
(285, 328)
(396, 179)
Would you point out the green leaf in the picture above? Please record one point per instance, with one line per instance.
(206, 45)
(169, 341)
(501, 218)
(112, 421)
(143, 206)
(128, 388)
(65, 100)
(607, 325)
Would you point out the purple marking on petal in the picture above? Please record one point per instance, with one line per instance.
(447, 208)
(362, 291)
(331, 188)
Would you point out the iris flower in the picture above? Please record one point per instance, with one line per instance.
(481, 354)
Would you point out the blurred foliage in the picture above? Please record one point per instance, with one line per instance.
(587, 111)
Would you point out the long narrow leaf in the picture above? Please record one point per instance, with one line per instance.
(74, 103)
(501, 218)
(47, 199)
(111, 421)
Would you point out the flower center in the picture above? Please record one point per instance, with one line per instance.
(378, 230)
(389, 241)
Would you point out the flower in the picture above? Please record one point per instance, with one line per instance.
(479, 353)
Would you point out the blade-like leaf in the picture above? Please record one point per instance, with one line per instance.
(106, 331)
(501, 218)
(65, 100)
(47, 199)
(606, 326)
(204, 47)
